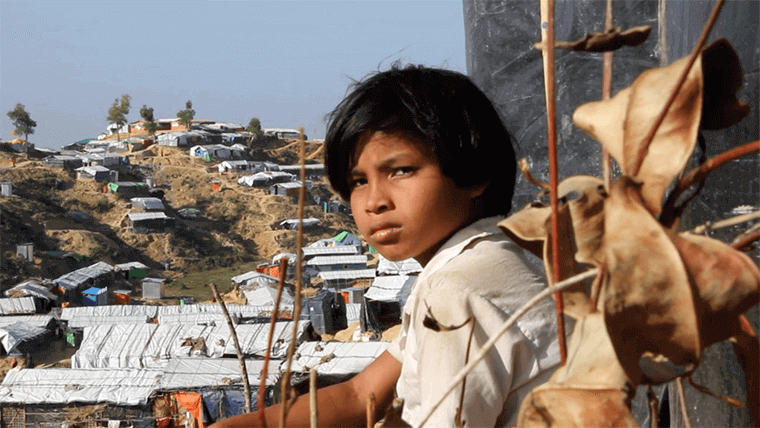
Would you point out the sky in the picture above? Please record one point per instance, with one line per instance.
(287, 63)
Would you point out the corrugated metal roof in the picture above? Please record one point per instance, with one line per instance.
(338, 260)
(185, 373)
(331, 250)
(148, 216)
(128, 387)
(347, 274)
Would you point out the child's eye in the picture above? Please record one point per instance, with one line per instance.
(403, 171)
(356, 182)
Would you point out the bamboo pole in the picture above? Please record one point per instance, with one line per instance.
(547, 38)
(314, 411)
(606, 93)
(241, 360)
(299, 277)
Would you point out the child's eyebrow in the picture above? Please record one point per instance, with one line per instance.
(386, 164)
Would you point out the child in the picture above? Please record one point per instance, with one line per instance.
(428, 168)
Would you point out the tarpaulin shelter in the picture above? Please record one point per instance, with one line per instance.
(383, 302)
(326, 311)
(17, 306)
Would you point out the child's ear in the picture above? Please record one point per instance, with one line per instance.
(477, 190)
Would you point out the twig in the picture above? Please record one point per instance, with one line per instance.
(682, 402)
(525, 169)
(314, 411)
(729, 400)
(299, 273)
(745, 240)
(241, 360)
(504, 327)
(458, 418)
(654, 415)
(644, 148)
(606, 92)
(596, 287)
(371, 410)
(547, 37)
(699, 230)
(710, 165)
(267, 356)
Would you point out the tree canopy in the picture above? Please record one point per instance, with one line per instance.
(186, 116)
(22, 121)
(118, 112)
(146, 113)
(254, 127)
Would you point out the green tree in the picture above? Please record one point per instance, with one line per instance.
(22, 121)
(254, 127)
(146, 113)
(118, 112)
(186, 116)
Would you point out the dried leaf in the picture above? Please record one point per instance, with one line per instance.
(648, 304)
(604, 42)
(527, 227)
(591, 390)
(726, 283)
(585, 196)
(723, 78)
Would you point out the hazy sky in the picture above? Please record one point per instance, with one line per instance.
(286, 62)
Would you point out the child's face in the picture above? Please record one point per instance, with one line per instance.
(401, 202)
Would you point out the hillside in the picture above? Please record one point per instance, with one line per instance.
(236, 228)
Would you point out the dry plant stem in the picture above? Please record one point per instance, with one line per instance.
(299, 276)
(596, 287)
(747, 349)
(371, 410)
(654, 417)
(504, 327)
(746, 240)
(710, 165)
(730, 400)
(547, 37)
(606, 92)
(726, 223)
(313, 414)
(241, 360)
(458, 419)
(641, 154)
(525, 169)
(682, 403)
(267, 356)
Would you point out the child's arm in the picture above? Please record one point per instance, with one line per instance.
(343, 404)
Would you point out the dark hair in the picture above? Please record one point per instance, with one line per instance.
(441, 108)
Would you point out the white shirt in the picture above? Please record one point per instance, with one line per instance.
(477, 273)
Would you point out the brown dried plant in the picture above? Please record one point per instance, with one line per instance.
(665, 296)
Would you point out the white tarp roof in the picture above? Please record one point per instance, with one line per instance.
(149, 203)
(131, 265)
(235, 311)
(13, 334)
(293, 222)
(108, 311)
(127, 387)
(260, 278)
(266, 295)
(348, 357)
(394, 288)
(80, 276)
(154, 345)
(186, 373)
(31, 288)
(17, 306)
(147, 216)
(401, 267)
(32, 320)
(82, 322)
(347, 274)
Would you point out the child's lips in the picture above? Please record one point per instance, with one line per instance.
(386, 234)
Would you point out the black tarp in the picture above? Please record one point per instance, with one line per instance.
(502, 61)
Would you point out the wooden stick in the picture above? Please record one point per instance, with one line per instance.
(548, 291)
(606, 92)
(547, 37)
(644, 149)
(299, 274)
(314, 411)
(726, 223)
(682, 403)
(371, 410)
(268, 354)
(745, 240)
(241, 360)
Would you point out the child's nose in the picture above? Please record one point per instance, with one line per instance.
(378, 201)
